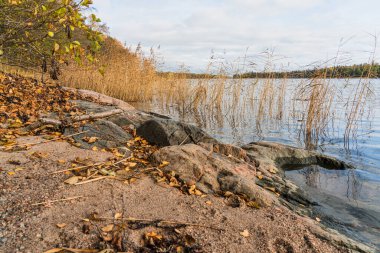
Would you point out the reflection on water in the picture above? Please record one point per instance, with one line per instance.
(351, 197)
(348, 199)
(349, 185)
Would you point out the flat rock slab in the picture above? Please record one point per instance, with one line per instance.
(91, 107)
(109, 134)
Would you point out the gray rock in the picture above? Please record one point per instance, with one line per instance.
(110, 135)
(167, 132)
(285, 156)
(91, 107)
(239, 185)
(213, 172)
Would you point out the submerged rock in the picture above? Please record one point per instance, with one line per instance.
(167, 132)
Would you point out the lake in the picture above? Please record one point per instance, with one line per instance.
(276, 110)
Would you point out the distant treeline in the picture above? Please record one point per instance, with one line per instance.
(360, 70)
(189, 75)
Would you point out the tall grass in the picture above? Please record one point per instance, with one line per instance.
(119, 72)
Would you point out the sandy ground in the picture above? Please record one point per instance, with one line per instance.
(25, 227)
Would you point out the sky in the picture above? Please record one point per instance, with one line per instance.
(296, 32)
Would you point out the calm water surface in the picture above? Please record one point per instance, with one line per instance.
(349, 200)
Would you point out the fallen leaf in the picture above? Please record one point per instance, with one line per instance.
(61, 225)
(92, 139)
(253, 204)
(131, 165)
(153, 235)
(164, 164)
(94, 148)
(245, 233)
(72, 180)
(318, 219)
(273, 170)
(11, 173)
(61, 161)
(118, 215)
(107, 228)
(208, 202)
(107, 237)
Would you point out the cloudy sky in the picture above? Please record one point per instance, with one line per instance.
(299, 32)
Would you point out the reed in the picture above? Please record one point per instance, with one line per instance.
(118, 72)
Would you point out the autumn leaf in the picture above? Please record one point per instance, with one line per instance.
(61, 225)
(108, 228)
(72, 180)
(118, 215)
(164, 164)
(245, 233)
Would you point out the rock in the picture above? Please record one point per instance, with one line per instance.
(234, 201)
(285, 156)
(213, 172)
(110, 135)
(242, 186)
(167, 132)
(91, 107)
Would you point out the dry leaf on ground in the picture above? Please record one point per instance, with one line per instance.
(245, 233)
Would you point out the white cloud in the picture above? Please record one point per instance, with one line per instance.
(303, 30)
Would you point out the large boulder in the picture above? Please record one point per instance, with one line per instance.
(168, 132)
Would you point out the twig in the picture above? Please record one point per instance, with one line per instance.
(184, 140)
(78, 168)
(55, 122)
(91, 165)
(164, 221)
(57, 200)
(95, 179)
(96, 115)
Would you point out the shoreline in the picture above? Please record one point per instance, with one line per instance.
(231, 182)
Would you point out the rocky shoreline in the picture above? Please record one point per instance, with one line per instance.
(244, 184)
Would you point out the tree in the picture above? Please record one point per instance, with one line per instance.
(47, 33)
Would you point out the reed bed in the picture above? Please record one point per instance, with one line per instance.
(219, 100)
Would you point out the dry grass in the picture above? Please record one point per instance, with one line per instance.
(127, 75)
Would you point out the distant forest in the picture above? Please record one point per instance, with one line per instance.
(360, 70)
(188, 75)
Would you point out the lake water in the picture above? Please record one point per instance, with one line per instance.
(349, 200)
